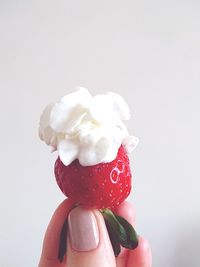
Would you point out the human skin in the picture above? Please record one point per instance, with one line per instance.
(103, 254)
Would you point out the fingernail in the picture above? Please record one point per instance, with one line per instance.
(83, 229)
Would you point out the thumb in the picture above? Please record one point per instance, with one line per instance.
(88, 241)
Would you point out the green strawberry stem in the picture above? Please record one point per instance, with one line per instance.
(120, 231)
(113, 239)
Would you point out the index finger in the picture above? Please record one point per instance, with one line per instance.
(49, 256)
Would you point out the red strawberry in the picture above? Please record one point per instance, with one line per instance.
(101, 186)
(104, 185)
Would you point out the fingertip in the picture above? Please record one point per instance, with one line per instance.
(144, 244)
(127, 211)
(141, 256)
(52, 235)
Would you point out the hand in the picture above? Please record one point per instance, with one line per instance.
(88, 244)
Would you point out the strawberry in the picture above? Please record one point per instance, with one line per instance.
(101, 186)
(104, 185)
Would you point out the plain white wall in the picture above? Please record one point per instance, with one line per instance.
(147, 51)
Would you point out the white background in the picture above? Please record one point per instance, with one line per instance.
(147, 51)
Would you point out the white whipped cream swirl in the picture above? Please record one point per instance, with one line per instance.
(87, 128)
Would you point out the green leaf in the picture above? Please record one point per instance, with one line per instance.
(63, 242)
(114, 240)
(117, 228)
(130, 232)
(121, 229)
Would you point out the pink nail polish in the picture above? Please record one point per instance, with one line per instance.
(83, 229)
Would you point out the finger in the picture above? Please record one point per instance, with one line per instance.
(127, 211)
(141, 256)
(49, 256)
(88, 242)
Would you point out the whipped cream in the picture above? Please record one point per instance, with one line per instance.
(87, 128)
